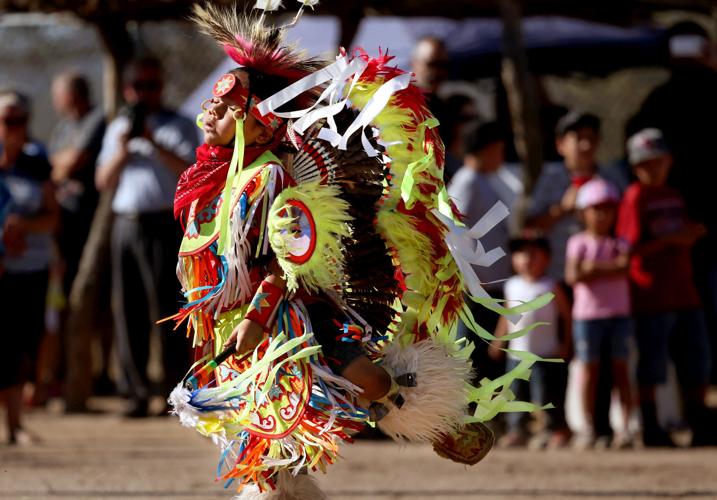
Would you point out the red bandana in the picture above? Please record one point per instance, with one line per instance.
(205, 179)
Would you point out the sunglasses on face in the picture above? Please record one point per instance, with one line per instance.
(147, 85)
(438, 64)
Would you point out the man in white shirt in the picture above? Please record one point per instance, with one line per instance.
(143, 153)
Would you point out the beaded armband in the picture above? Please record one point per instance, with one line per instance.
(264, 304)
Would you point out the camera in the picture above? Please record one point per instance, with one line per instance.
(137, 114)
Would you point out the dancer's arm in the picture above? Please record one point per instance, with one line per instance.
(249, 333)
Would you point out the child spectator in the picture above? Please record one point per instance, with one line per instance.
(596, 268)
(478, 185)
(668, 315)
(531, 258)
(552, 206)
(552, 202)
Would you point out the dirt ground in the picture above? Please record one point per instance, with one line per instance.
(104, 456)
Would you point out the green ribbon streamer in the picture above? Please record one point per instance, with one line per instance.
(408, 183)
(417, 166)
(444, 206)
(235, 168)
(492, 304)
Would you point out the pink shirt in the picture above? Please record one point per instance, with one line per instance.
(603, 297)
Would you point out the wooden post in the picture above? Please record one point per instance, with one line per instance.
(85, 304)
(522, 102)
(350, 15)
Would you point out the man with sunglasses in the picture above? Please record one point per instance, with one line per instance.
(144, 151)
(430, 63)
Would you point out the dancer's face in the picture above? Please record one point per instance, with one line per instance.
(220, 117)
(219, 123)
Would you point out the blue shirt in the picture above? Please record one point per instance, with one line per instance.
(475, 193)
(25, 181)
(4, 209)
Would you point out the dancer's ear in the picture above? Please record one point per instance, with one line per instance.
(265, 137)
(238, 114)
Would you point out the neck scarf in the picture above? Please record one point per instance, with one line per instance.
(205, 179)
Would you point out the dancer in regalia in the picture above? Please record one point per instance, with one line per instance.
(324, 267)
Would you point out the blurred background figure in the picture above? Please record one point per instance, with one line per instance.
(551, 209)
(477, 186)
(596, 268)
(27, 239)
(74, 146)
(143, 153)
(685, 109)
(429, 64)
(460, 110)
(530, 257)
(552, 203)
(669, 322)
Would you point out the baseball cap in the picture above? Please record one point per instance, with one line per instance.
(575, 120)
(687, 39)
(647, 144)
(594, 192)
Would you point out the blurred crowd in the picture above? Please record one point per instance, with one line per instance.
(628, 249)
(49, 197)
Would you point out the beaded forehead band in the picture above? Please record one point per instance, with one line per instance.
(229, 86)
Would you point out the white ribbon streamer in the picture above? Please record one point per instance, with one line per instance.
(338, 74)
(492, 218)
(468, 251)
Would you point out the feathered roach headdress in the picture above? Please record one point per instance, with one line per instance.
(249, 41)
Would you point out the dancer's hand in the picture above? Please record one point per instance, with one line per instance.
(246, 336)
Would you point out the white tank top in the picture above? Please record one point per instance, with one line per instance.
(543, 340)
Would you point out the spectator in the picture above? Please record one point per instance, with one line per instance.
(479, 184)
(653, 220)
(4, 209)
(27, 238)
(461, 109)
(143, 153)
(74, 146)
(429, 64)
(552, 202)
(684, 109)
(75, 143)
(548, 381)
(596, 267)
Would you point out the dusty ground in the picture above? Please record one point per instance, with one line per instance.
(105, 456)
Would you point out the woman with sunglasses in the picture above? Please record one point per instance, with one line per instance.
(30, 219)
